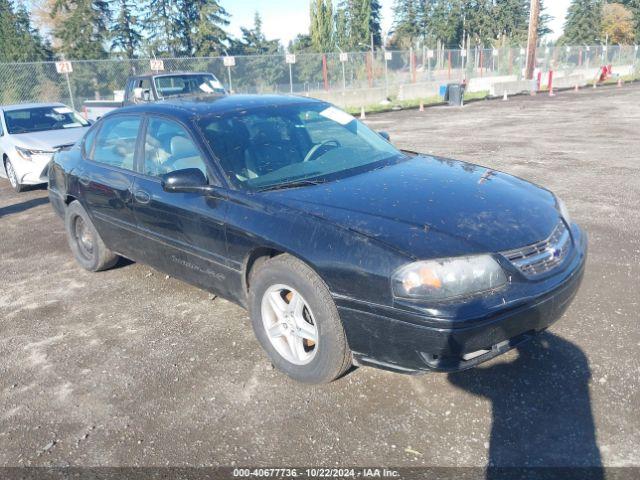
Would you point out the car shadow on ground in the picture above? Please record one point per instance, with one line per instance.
(22, 206)
(541, 408)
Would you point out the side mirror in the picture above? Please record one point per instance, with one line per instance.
(385, 135)
(184, 181)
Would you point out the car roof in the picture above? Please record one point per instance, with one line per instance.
(170, 74)
(23, 106)
(186, 107)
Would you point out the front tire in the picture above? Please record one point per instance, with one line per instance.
(296, 321)
(85, 242)
(12, 176)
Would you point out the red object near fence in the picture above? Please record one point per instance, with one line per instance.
(325, 75)
(551, 94)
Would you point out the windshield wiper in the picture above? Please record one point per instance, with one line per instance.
(294, 184)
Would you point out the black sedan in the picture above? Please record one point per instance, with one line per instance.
(344, 249)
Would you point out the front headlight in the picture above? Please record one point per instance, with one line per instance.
(564, 212)
(30, 154)
(447, 278)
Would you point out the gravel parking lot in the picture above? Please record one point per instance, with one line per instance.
(130, 367)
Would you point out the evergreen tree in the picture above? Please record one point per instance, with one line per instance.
(407, 15)
(445, 22)
(203, 25)
(512, 19)
(301, 44)
(126, 33)
(479, 22)
(261, 70)
(375, 27)
(7, 31)
(321, 30)
(83, 32)
(365, 22)
(19, 40)
(341, 20)
(583, 25)
(254, 42)
(162, 27)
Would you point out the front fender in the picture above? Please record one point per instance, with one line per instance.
(351, 264)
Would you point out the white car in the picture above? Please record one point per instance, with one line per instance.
(29, 136)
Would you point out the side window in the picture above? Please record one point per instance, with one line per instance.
(144, 84)
(115, 143)
(168, 147)
(87, 143)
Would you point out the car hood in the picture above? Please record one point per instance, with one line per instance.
(49, 139)
(429, 207)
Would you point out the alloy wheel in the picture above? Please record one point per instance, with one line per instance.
(289, 324)
(11, 173)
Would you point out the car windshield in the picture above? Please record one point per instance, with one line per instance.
(269, 147)
(39, 119)
(174, 85)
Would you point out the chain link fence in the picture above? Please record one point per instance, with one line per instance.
(351, 79)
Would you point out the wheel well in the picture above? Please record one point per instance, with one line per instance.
(256, 258)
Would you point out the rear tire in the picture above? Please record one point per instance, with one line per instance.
(12, 176)
(307, 341)
(85, 242)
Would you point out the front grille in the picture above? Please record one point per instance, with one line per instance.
(542, 257)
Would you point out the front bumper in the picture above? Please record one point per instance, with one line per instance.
(407, 344)
(31, 172)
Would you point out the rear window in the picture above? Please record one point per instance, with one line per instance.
(40, 119)
(172, 85)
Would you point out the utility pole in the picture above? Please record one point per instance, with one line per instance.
(532, 42)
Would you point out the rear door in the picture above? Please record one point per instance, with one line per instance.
(184, 233)
(105, 180)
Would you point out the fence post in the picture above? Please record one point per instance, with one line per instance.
(324, 71)
(412, 64)
(70, 92)
(386, 76)
(449, 75)
(510, 61)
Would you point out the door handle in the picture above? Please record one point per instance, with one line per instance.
(142, 197)
(84, 179)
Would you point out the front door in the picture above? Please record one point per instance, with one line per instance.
(105, 181)
(184, 232)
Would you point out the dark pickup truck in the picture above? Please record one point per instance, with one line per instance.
(156, 86)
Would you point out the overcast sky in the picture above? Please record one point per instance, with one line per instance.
(284, 19)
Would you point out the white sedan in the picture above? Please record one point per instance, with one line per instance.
(29, 136)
